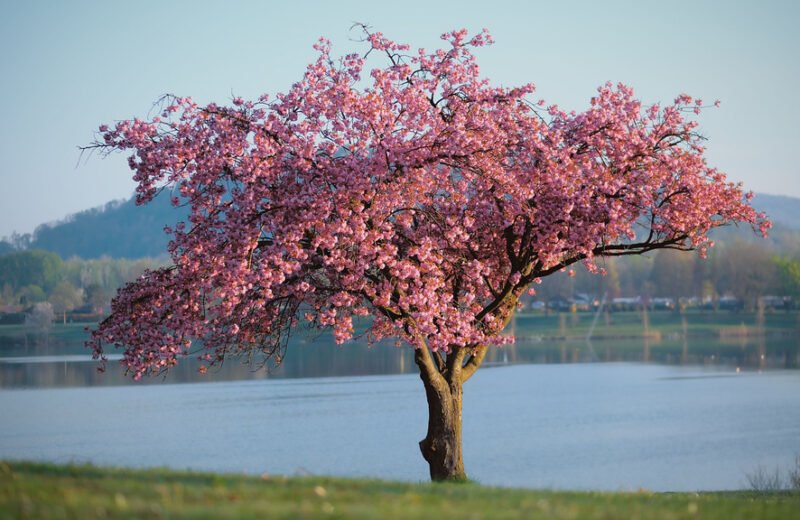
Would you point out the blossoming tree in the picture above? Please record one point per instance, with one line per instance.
(417, 195)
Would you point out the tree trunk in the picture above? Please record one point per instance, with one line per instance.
(443, 376)
(441, 447)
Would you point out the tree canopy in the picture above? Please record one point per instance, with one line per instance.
(415, 192)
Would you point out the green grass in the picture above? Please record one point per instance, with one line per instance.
(631, 324)
(67, 338)
(32, 490)
(538, 324)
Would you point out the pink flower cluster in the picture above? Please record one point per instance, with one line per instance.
(423, 197)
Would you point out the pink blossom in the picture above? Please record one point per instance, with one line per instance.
(419, 194)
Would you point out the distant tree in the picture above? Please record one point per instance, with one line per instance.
(556, 287)
(23, 268)
(65, 297)
(40, 319)
(746, 271)
(31, 294)
(634, 276)
(7, 295)
(786, 241)
(672, 275)
(422, 196)
(19, 241)
(709, 293)
(788, 274)
(699, 277)
(588, 283)
(611, 282)
(97, 296)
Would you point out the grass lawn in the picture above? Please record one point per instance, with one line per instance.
(19, 340)
(69, 338)
(32, 490)
(631, 323)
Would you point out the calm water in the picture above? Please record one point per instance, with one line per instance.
(700, 415)
(62, 360)
(577, 426)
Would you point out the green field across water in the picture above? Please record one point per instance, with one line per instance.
(730, 340)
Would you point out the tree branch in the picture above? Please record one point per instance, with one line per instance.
(428, 371)
(440, 363)
(473, 362)
(455, 361)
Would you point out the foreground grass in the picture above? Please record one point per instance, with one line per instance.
(32, 490)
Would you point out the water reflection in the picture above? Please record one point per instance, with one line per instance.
(62, 360)
(318, 359)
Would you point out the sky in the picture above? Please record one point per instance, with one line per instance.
(67, 67)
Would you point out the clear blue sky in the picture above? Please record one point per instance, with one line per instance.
(66, 67)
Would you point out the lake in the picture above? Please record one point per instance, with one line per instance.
(609, 426)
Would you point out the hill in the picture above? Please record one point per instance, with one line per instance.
(120, 229)
(782, 210)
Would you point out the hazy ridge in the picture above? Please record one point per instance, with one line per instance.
(120, 229)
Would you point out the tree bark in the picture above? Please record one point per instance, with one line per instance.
(443, 379)
(441, 447)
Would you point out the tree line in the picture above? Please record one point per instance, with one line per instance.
(738, 270)
(34, 276)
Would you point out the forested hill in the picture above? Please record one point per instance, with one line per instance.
(118, 229)
(124, 230)
(783, 211)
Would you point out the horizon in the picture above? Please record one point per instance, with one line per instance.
(69, 68)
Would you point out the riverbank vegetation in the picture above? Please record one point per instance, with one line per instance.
(33, 490)
(738, 275)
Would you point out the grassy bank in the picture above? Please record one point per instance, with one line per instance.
(694, 323)
(553, 324)
(29, 490)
